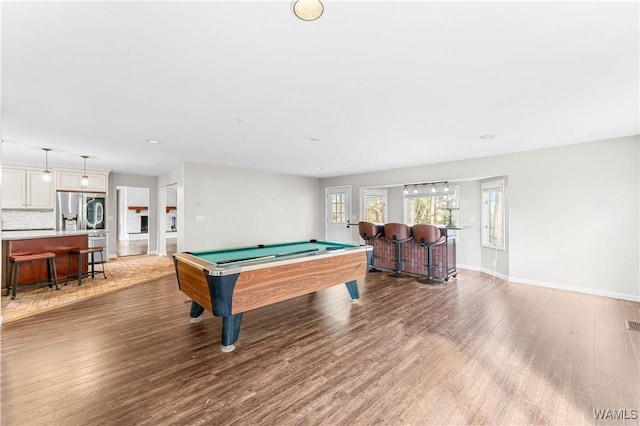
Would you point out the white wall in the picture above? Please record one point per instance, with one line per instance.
(240, 207)
(573, 211)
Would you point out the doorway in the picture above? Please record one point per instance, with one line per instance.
(132, 237)
(171, 212)
(338, 214)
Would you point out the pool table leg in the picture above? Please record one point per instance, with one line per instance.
(352, 287)
(196, 311)
(230, 331)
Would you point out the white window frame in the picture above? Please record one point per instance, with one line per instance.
(374, 193)
(487, 188)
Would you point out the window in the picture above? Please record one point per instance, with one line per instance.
(436, 208)
(338, 208)
(375, 206)
(493, 216)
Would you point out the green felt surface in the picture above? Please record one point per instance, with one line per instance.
(217, 256)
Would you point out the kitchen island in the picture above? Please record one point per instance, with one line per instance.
(30, 242)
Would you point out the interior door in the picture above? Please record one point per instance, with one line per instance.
(338, 213)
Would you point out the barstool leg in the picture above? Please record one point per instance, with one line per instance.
(102, 262)
(8, 282)
(79, 270)
(55, 272)
(68, 268)
(49, 272)
(15, 281)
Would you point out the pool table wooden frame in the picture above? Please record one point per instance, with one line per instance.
(229, 291)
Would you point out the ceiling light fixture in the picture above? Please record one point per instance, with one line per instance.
(433, 187)
(308, 10)
(153, 141)
(46, 173)
(84, 181)
(487, 136)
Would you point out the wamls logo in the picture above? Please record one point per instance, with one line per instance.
(609, 414)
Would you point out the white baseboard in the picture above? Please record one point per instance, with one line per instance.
(152, 252)
(575, 289)
(584, 290)
(485, 270)
(469, 267)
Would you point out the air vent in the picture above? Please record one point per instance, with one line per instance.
(633, 325)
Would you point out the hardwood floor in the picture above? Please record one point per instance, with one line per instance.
(476, 351)
(131, 248)
(121, 273)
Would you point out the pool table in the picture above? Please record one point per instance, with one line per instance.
(230, 282)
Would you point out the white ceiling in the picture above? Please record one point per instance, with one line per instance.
(381, 84)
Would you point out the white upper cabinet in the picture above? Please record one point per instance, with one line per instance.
(23, 188)
(71, 180)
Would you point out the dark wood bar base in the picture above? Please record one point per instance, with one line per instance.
(33, 272)
(414, 256)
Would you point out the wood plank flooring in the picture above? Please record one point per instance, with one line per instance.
(121, 273)
(475, 351)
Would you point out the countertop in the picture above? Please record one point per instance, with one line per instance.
(27, 235)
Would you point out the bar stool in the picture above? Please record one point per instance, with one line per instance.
(81, 252)
(370, 232)
(397, 234)
(16, 260)
(428, 236)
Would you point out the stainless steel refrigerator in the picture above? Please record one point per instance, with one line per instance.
(81, 211)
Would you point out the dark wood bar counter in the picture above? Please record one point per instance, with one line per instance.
(414, 256)
(31, 242)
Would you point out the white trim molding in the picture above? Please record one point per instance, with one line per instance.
(556, 286)
(592, 291)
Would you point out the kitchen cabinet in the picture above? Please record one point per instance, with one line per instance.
(23, 188)
(70, 180)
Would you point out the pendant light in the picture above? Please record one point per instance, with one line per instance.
(46, 173)
(84, 181)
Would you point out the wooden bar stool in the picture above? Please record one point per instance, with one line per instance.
(81, 252)
(370, 232)
(15, 261)
(398, 234)
(428, 236)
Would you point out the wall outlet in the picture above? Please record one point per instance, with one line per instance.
(199, 218)
(493, 262)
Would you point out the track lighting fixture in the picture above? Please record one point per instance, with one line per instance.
(433, 187)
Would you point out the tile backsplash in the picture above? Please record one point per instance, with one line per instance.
(20, 220)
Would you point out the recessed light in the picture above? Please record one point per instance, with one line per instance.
(308, 10)
(315, 139)
(153, 141)
(487, 136)
(316, 168)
